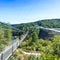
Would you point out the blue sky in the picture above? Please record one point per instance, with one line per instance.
(22, 11)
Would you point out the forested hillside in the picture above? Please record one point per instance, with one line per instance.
(51, 23)
(49, 49)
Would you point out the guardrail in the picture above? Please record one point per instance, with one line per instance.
(9, 51)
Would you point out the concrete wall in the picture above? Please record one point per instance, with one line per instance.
(47, 34)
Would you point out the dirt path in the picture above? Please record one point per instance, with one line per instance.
(31, 53)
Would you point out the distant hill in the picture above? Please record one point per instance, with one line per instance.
(51, 23)
(4, 25)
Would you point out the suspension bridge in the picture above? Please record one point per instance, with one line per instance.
(4, 55)
(9, 51)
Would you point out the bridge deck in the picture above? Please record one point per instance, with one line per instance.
(9, 51)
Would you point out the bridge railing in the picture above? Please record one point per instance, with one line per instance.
(9, 51)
